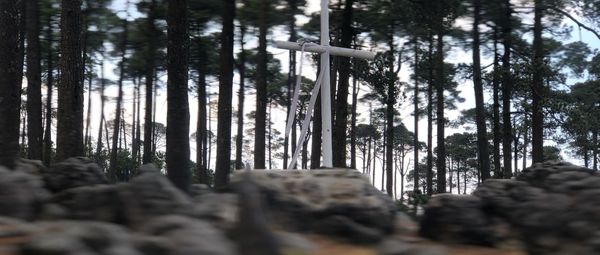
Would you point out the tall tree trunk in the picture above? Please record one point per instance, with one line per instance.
(293, 8)
(34, 81)
(113, 176)
(391, 100)
(10, 85)
(87, 144)
(201, 134)
(149, 86)
(134, 123)
(482, 142)
(178, 112)
(102, 102)
(239, 141)
(69, 139)
(261, 88)
(355, 88)
(49, 85)
(315, 154)
(441, 122)
(507, 92)
(225, 94)
(537, 119)
(595, 150)
(496, 108)
(270, 136)
(416, 117)
(430, 119)
(341, 102)
(525, 142)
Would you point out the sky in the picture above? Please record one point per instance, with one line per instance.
(456, 55)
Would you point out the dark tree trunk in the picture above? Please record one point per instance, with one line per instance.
(355, 88)
(525, 142)
(537, 120)
(69, 139)
(341, 102)
(102, 101)
(416, 116)
(149, 79)
(239, 141)
(87, 145)
(315, 154)
(178, 112)
(506, 93)
(261, 89)
(389, 141)
(225, 94)
(430, 119)
(496, 108)
(49, 84)
(293, 8)
(482, 142)
(441, 122)
(595, 150)
(201, 135)
(34, 81)
(113, 176)
(10, 85)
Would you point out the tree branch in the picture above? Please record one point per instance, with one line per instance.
(581, 25)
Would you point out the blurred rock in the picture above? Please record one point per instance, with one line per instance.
(221, 209)
(551, 208)
(186, 236)
(342, 199)
(22, 195)
(76, 237)
(395, 247)
(72, 173)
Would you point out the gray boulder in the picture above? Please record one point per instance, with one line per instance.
(340, 202)
(72, 173)
(81, 238)
(22, 195)
(188, 236)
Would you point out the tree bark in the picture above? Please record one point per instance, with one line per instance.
(113, 176)
(506, 93)
(10, 85)
(178, 112)
(149, 86)
(482, 142)
(49, 84)
(69, 139)
(496, 108)
(225, 94)
(201, 135)
(102, 102)
(537, 120)
(416, 117)
(261, 89)
(355, 88)
(34, 81)
(430, 120)
(441, 122)
(341, 102)
(239, 141)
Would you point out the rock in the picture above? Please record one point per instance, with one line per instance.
(221, 209)
(30, 166)
(99, 203)
(457, 219)
(77, 237)
(72, 173)
(135, 203)
(550, 208)
(404, 224)
(197, 190)
(189, 236)
(22, 195)
(305, 200)
(395, 247)
(150, 195)
(293, 243)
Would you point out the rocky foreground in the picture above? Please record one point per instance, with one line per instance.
(71, 209)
